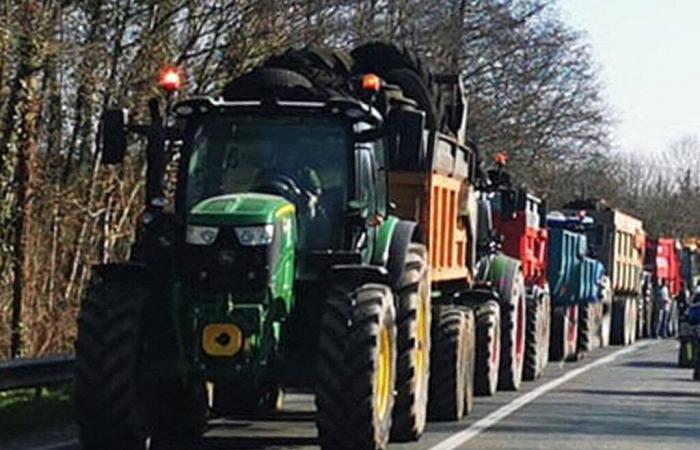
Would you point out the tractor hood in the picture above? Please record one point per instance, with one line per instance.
(240, 209)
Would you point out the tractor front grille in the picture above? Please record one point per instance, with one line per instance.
(226, 266)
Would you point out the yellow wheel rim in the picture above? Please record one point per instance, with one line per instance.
(382, 376)
(422, 338)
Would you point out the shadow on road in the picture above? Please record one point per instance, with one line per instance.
(667, 394)
(256, 443)
(652, 364)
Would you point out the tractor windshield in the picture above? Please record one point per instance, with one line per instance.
(303, 159)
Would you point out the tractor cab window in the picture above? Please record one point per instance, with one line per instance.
(303, 159)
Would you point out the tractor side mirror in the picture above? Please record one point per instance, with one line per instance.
(113, 127)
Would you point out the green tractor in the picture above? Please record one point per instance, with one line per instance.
(276, 263)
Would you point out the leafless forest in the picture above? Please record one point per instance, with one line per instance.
(534, 92)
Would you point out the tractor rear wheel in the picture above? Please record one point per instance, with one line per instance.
(117, 406)
(513, 310)
(537, 335)
(452, 379)
(413, 363)
(356, 368)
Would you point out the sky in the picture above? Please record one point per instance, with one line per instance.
(649, 53)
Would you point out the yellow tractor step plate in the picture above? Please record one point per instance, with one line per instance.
(222, 339)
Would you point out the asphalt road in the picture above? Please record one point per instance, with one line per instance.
(632, 398)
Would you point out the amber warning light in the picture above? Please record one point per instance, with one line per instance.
(371, 82)
(501, 158)
(170, 79)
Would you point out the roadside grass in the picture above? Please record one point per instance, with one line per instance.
(28, 410)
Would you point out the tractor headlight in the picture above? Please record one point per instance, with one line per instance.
(259, 235)
(198, 235)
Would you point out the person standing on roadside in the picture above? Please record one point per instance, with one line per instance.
(663, 309)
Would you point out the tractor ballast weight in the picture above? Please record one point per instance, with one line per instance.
(281, 263)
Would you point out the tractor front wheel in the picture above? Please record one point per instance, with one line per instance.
(513, 310)
(413, 363)
(488, 347)
(118, 406)
(356, 368)
(537, 335)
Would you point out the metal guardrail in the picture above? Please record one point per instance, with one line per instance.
(36, 372)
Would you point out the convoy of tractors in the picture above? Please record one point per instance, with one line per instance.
(330, 227)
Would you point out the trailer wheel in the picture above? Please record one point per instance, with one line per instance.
(537, 335)
(640, 319)
(632, 328)
(606, 308)
(452, 379)
(488, 347)
(571, 351)
(512, 332)
(564, 333)
(413, 363)
(619, 326)
(117, 407)
(588, 327)
(356, 368)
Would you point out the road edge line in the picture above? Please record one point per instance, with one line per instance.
(472, 431)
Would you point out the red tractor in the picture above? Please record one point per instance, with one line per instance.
(519, 218)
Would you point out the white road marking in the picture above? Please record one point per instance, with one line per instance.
(469, 433)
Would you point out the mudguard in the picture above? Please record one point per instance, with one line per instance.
(501, 273)
(400, 239)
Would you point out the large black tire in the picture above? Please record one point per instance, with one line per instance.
(488, 348)
(513, 310)
(589, 320)
(401, 67)
(632, 318)
(452, 379)
(413, 364)
(537, 335)
(356, 368)
(546, 337)
(571, 343)
(621, 322)
(564, 333)
(606, 307)
(117, 406)
(641, 318)
(260, 82)
(685, 353)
